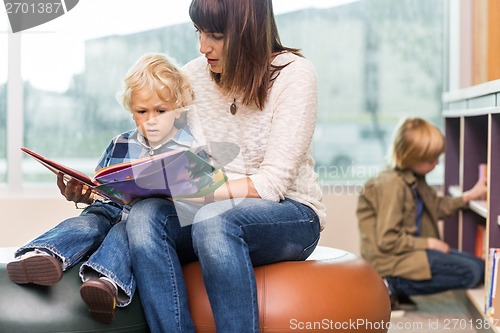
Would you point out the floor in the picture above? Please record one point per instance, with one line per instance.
(449, 311)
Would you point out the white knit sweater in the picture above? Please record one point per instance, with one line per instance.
(273, 145)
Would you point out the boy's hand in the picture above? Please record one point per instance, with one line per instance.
(438, 245)
(74, 190)
(477, 191)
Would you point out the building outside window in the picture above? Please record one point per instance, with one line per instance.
(377, 61)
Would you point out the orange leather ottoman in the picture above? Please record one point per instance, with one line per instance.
(332, 291)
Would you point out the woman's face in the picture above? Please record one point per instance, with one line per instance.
(212, 45)
(154, 117)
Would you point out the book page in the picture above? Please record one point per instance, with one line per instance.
(59, 168)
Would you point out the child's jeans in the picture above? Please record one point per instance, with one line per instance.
(96, 231)
(454, 270)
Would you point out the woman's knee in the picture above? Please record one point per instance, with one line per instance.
(211, 231)
(147, 210)
(144, 220)
(152, 221)
(117, 231)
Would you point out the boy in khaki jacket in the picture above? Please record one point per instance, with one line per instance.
(398, 214)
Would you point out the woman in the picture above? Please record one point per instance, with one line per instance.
(255, 112)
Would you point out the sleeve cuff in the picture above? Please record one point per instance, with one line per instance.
(263, 188)
(421, 243)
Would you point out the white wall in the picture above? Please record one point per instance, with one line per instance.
(24, 218)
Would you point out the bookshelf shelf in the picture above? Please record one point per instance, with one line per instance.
(472, 131)
(476, 296)
(480, 207)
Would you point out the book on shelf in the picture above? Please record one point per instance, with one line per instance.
(492, 293)
(480, 242)
(483, 174)
(174, 174)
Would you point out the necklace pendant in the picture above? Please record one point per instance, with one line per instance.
(232, 109)
(151, 152)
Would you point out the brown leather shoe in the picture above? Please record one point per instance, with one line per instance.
(35, 267)
(100, 297)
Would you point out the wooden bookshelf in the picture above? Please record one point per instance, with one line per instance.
(472, 130)
(480, 207)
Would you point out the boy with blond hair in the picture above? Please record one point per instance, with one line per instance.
(156, 93)
(398, 214)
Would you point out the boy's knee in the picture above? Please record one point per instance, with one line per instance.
(476, 277)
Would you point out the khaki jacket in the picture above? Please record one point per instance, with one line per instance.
(387, 223)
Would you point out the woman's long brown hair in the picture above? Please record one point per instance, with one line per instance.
(250, 40)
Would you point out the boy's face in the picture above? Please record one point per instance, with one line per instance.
(154, 117)
(423, 168)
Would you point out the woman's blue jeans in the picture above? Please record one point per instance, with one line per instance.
(454, 270)
(95, 231)
(228, 238)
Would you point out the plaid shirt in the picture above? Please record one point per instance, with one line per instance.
(132, 145)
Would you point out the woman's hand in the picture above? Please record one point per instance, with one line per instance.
(74, 190)
(438, 245)
(237, 188)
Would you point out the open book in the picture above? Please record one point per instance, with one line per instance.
(174, 174)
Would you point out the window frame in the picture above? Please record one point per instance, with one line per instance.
(14, 186)
(15, 128)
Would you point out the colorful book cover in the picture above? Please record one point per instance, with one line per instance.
(492, 299)
(495, 299)
(175, 174)
(488, 283)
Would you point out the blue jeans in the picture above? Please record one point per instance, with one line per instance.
(95, 231)
(228, 238)
(454, 270)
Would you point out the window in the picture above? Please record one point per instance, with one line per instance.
(70, 109)
(3, 99)
(376, 60)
